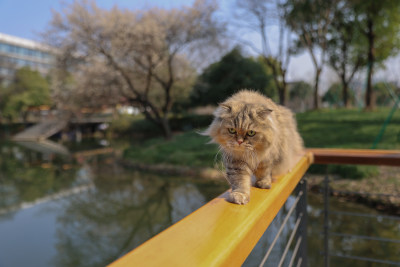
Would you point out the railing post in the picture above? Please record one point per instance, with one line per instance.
(302, 233)
(326, 221)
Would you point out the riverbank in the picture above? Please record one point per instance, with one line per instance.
(168, 169)
(381, 193)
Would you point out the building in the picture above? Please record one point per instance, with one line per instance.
(17, 52)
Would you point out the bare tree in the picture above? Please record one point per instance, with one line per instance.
(132, 56)
(379, 24)
(310, 20)
(258, 15)
(344, 55)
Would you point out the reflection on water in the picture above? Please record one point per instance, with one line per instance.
(373, 226)
(57, 210)
(119, 214)
(45, 147)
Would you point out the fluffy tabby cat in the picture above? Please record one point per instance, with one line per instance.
(256, 136)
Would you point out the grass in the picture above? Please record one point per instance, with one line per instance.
(324, 128)
(348, 128)
(188, 149)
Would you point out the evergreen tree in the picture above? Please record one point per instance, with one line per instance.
(231, 74)
(28, 89)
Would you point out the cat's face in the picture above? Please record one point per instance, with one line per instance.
(242, 128)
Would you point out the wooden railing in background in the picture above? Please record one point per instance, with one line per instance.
(355, 156)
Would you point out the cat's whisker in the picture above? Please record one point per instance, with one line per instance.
(219, 164)
(218, 153)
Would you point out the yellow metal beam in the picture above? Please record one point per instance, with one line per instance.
(219, 233)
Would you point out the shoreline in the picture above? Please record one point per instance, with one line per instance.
(169, 169)
(380, 200)
(386, 203)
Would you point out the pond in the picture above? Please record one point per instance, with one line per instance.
(59, 208)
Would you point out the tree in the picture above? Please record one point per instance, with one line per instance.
(28, 89)
(301, 90)
(257, 15)
(300, 96)
(5, 65)
(310, 20)
(334, 93)
(229, 75)
(385, 93)
(3, 95)
(344, 54)
(136, 57)
(379, 22)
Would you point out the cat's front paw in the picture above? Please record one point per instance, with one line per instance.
(239, 198)
(264, 184)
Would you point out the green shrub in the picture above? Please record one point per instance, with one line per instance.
(190, 122)
(137, 125)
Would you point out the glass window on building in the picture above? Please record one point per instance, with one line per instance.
(3, 47)
(11, 49)
(4, 71)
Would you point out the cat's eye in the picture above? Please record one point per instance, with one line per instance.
(232, 130)
(251, 133)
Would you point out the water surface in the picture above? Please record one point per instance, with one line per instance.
(66, 209)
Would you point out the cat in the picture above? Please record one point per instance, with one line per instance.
(256, 137)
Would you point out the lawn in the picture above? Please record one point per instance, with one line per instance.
(349, 128)
(324, 128)
(187, 149)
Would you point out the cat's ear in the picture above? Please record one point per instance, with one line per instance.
(223, 110)
(226, 107)
(263, 112)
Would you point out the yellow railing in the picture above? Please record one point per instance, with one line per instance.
(219, 233)
(224, 234)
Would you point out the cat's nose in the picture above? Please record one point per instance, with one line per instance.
(240, 141)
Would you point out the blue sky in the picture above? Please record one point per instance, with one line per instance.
(27, 18)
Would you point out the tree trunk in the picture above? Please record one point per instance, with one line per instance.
(345, 96)
(316, 87)
(369, 93)
(345, 92)
(160, 121)
(277, 73)
(345, 83)
(166, 128)
(282, 93)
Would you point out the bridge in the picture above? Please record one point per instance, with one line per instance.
(50, 126)
(224, 234)
(41, 131)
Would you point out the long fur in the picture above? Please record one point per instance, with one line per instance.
(273, 150)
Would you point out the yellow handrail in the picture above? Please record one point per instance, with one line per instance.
(224, 234)
(219, 233)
